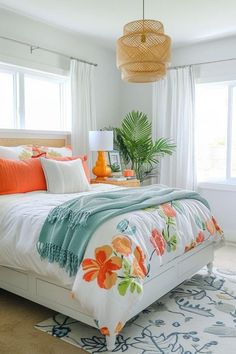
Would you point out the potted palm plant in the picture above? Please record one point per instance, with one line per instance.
(137, 149)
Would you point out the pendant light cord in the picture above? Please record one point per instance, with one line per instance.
(143, 10)
(143, 37)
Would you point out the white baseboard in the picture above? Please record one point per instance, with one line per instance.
(230, 244)
(230, 236)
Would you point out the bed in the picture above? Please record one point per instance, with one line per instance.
(166, 245)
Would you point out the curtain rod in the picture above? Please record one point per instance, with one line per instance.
(201, 63)
(34, 47)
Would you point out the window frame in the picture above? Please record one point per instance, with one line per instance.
(231, 87)
(229, 183)
(19, 74)
(5, 69)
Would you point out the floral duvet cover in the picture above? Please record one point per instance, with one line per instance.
(123, 254)
(129, 251)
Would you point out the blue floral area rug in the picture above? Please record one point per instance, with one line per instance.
(199, 316)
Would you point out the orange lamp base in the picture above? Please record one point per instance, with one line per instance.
(101, 170)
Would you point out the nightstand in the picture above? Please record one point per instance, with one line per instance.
(127, 183)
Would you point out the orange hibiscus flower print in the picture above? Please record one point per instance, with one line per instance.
(168, 210)
(119, 327)
(200, 237)
(210, 226)
(217, 227)
(158, 242)
(189, 247)
(105, 331)
(103, 267)
(139, 268)
(122, 244)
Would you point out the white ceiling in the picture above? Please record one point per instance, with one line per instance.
(186, 21)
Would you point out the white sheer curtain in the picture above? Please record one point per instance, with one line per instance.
(82, 106)
(173, 117)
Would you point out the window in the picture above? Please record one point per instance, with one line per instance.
(216, 131)
(233, 143)
(33, 100)
(7, 113)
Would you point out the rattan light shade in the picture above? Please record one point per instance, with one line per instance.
(143, 52)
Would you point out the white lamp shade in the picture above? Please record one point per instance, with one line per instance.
(101, 140)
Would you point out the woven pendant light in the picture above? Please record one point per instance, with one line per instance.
(143, 52)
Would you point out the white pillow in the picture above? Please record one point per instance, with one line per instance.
(16, 152)
(65, 176)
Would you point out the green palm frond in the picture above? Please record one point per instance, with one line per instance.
(136, 126)
(134, 141)
(119, 145)
(164, 146)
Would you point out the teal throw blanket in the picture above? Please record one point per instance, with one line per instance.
(69, 227)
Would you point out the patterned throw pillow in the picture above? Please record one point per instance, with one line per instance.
(22, 152)
(53, 151)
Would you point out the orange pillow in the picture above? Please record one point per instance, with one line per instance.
(84, 158)
(21, 176)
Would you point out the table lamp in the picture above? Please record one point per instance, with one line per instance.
(101, 141)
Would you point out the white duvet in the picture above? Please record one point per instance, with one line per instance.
(122, 254)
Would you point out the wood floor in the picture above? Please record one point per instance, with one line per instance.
(18, 317)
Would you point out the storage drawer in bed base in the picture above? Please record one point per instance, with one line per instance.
(58, 298)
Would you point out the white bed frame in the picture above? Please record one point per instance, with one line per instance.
(52, 295)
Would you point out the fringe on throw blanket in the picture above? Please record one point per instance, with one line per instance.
(64, 258)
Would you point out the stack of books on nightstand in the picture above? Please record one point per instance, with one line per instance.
(131, 177)
(119, 179)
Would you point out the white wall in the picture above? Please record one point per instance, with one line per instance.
(107, 79)
(136, 97)
(223, 206)
(223, 48)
